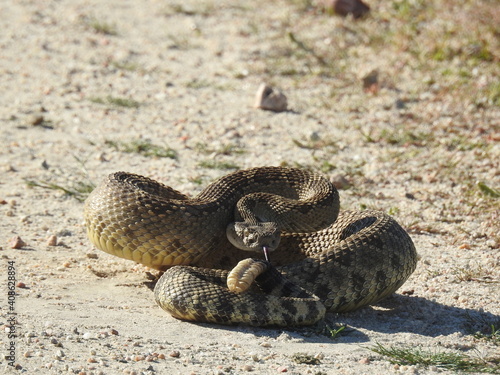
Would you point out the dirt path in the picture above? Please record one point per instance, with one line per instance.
(166, 90)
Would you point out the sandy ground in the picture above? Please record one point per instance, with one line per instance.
(192, 69)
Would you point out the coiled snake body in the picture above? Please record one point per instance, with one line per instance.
(325, 261)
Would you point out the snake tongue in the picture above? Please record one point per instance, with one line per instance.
(266, 252)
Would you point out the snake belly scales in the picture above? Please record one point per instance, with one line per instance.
(325, 260)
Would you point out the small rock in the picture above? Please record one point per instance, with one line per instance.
(364, 361)
(269, 99)
(52, 241)
(343, 8)
(21, 285)
(35, 119)
(370, 82)
(248, 368)
(340, 182)
(16, 242)
(92, 256)
(400, 104)
(174, 354)
(282, 369)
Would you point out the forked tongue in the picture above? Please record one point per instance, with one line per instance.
(266, 252)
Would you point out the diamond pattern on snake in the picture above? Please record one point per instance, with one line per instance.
(265, 246)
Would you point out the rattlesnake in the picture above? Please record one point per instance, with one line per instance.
(325, 260)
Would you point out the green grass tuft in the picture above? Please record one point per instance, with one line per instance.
(442, 360)
(78, 190)
(100, 26)
(213, 164)
(489, 191)
(143, 147)
(116, 101)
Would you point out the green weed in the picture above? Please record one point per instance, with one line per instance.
(477, 273)
(143, 147)
(213, 164)
(334, 332)
(100, 26)
(442, 360)
(78, 189)
(227, 149)
(489, 191)
(116, 101)
(304, 358)
(125, 65)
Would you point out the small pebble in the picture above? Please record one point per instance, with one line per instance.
(25, 220)
(16, 242)
(365, 361)
(282, 369)
(174, 354)
(248, 368)
(265, 344)
(343, 8)
(35, 119)
(269, 99)
(20, 284)
(370, 82)
(52, 241)
(340, 182)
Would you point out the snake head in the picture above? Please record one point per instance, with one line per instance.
(254, 236)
